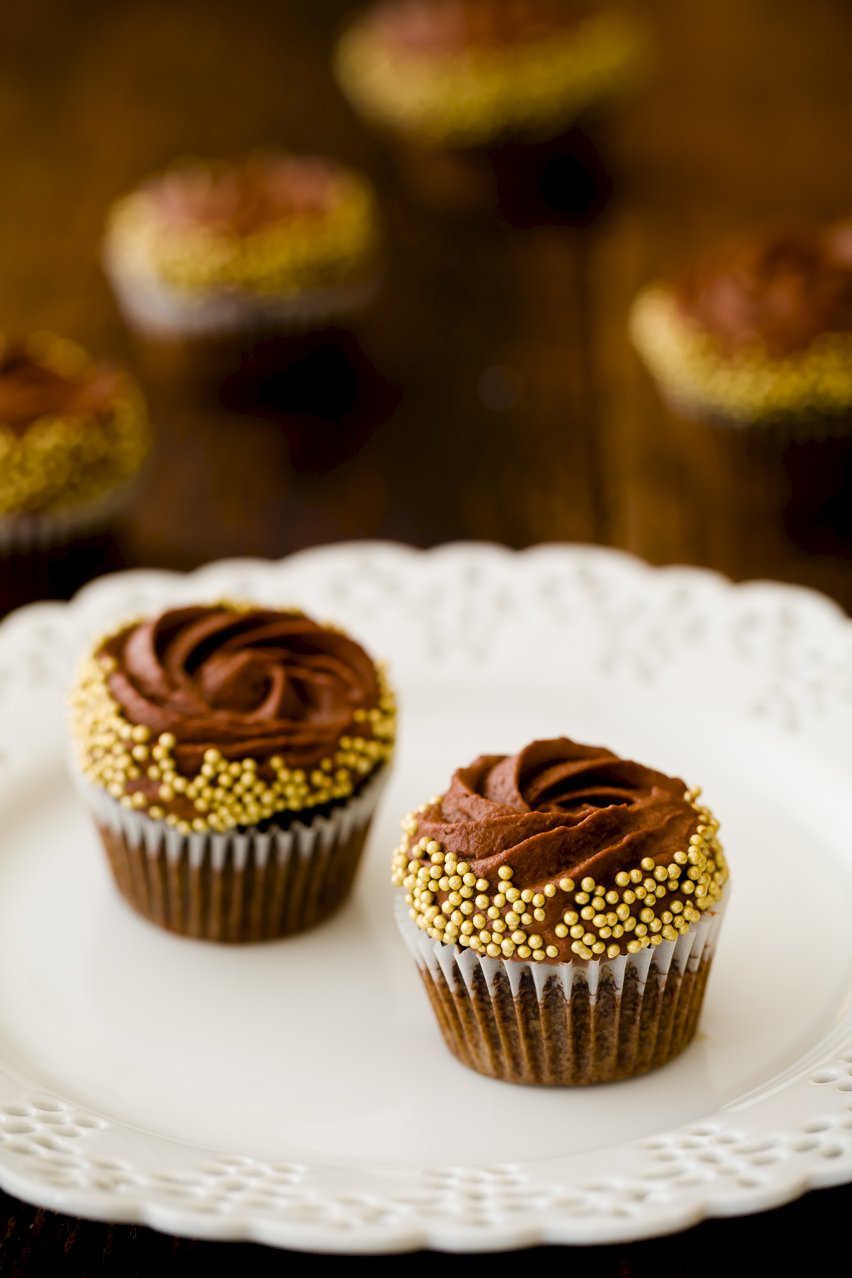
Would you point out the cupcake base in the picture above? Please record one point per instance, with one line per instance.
(567, 1023)
(209, 342)
(223, 369)
(52, 554)
(791, 474)
(243, 886)
(561, 180)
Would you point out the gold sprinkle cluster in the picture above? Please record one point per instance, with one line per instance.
(291, 256)
(642, 907)
(140, 770)
(744, 387)
(468, 97)
(60, 463)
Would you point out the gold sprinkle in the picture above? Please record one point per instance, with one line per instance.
(601, 925)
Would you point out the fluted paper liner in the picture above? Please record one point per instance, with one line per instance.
(33, 546)
(43, 532)
(245, 885)
(154, 308)
(771, 468)
(577, 1022)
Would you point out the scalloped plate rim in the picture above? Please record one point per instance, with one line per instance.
(138, 1207)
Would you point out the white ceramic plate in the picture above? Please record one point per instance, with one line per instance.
(299, 1093)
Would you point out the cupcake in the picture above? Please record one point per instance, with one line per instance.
(232, 757)
(751, 347)
(217, 258)
(758, 331)
(481, 95)
(73, 435)
(562, 906)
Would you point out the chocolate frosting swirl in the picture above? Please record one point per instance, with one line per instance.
(247, 195)
(434, 28)
(560, 852)
(251, 683)
(31, 390)
(778, 290)
(558, 808)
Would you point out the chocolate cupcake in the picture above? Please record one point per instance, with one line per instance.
(562, 905)
(757, 331)
(751, 346)
(479, 95)
(73, 435)
(219, 257)
(232, 757)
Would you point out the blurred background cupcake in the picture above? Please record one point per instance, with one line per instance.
(73, 436)
(483, 98)
(751, 345)
(243, 265)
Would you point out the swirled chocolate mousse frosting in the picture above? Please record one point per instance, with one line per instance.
(266, 223)
(73, 430)
(777, 291)
(31, 389)
(247, 195)
(466, 72)
(560, 851)
(211, 717)
(434, 28)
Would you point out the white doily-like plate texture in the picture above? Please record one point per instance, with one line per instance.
(299, 1093)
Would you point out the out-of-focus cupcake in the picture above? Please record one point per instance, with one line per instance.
(74, 434)
(481, 96)
(562, 906)
(752, 346)
(217, 258)
(232, 757)
(758, 331)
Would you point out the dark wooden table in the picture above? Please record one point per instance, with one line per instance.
(492, 393)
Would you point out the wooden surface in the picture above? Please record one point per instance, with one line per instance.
(492, 393)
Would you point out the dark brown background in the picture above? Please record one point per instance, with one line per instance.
(494, 394)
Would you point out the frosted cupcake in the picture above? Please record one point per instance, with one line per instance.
(74, 434)
(232, 253)
(472, 87)
(232, 757)
(757, 331)
(751, 346)
(562, 906)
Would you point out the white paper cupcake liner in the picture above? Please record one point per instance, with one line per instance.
(38, 552)
(567, 1023)
(775, 475)
(807, 426)
(29, 534)
(245, 885)
(153, 308)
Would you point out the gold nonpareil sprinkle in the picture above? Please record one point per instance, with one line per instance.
(601, 919)
(64, 461)
(469, 96)
(748, 386)
(288, 256)
(223, 793)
